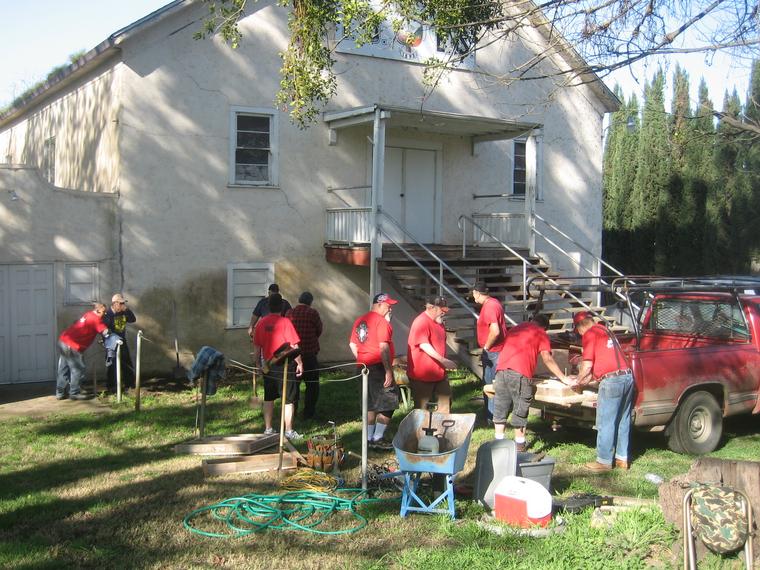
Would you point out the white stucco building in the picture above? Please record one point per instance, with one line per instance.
(159, 166)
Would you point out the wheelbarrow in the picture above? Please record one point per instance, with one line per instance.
(453, 432)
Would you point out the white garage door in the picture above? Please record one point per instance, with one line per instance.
(27, 333)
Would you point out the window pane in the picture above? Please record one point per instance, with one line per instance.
(520, 177)
(251, 173)
(252, 140)
(519, 188)
(250, 156)
(253, 123)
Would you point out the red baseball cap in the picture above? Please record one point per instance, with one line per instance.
(581, 316)
(383, 298)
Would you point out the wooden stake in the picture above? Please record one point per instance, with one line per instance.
(282, 413)
(202, 423)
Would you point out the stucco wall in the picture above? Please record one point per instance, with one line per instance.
(183, 223)
(83, 119)
(44, 224)
(157, 127)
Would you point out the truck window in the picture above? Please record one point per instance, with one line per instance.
(709, 318)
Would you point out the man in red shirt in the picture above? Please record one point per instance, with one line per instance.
(605, 363)
(371, 343)
(426, 356)
(491, 329)
(517, 363)
(71, 344)
(273, 335)
(308, 325)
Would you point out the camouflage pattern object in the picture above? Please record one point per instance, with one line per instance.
(718, 518)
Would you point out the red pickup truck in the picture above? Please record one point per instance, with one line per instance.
(695, 355)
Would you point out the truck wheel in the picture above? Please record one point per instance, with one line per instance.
(698, 425)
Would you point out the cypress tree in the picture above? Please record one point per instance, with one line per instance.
(677, 212)
(649, 199)
(618, 158)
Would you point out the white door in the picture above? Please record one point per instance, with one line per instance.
(27, 312)
(409, 191)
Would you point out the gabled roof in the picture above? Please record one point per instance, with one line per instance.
(111, 46)
(97, 55)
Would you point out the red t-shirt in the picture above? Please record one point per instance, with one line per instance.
(272, 331)
(420, 366)
(367, 333)
(491, 312)
(522, 346)
(80, 335)
(599, 349)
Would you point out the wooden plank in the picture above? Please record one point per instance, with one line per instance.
(248, 464)
(235, 444)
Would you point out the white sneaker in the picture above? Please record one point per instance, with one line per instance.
(269, 431)
(293, 434)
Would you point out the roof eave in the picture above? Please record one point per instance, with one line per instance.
(93, 58)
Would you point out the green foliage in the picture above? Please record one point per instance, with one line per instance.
(307, 80)
(687, 201)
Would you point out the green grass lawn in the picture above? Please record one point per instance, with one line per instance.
(107, 491)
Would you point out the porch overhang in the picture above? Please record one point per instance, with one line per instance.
(477, 128)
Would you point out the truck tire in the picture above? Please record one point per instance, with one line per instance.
(697, 426)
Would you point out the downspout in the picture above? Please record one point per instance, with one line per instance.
(378, 167)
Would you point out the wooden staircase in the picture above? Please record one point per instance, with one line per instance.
(498, 268)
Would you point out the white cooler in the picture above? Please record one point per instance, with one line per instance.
(522, 502)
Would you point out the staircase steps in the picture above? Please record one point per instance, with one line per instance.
(502, 273)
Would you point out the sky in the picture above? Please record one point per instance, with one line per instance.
(38, 35)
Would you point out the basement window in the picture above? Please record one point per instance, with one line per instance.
(247, 284)
(253, 147)
(81, 283)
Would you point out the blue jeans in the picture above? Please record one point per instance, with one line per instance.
(489, 373)
(70, 370)
(613, 418)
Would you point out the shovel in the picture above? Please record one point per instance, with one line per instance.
(179, 370)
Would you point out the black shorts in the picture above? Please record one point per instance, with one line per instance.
(381, 399)
(514, 393)
(273, 384)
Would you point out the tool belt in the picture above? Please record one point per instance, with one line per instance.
(323, 452)
(279, 356)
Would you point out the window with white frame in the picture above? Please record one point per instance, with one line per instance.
(247, 283)
(519, 170)
(47, 162)
(253, 146)
(81, 283)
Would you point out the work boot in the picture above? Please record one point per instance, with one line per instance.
(624, 465)
(596, 467)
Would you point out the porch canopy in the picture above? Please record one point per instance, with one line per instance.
(478, 128)
(382, 117)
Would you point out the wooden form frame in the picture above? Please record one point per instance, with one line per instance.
(235, 444)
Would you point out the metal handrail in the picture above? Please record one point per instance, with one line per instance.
(429, 274)
(441, 264)
(567, 237)
(526, 262)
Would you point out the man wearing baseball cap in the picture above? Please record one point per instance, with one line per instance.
(371, 343)
(491, 332)
(426, 356)
(116, 319)
(605, 363)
